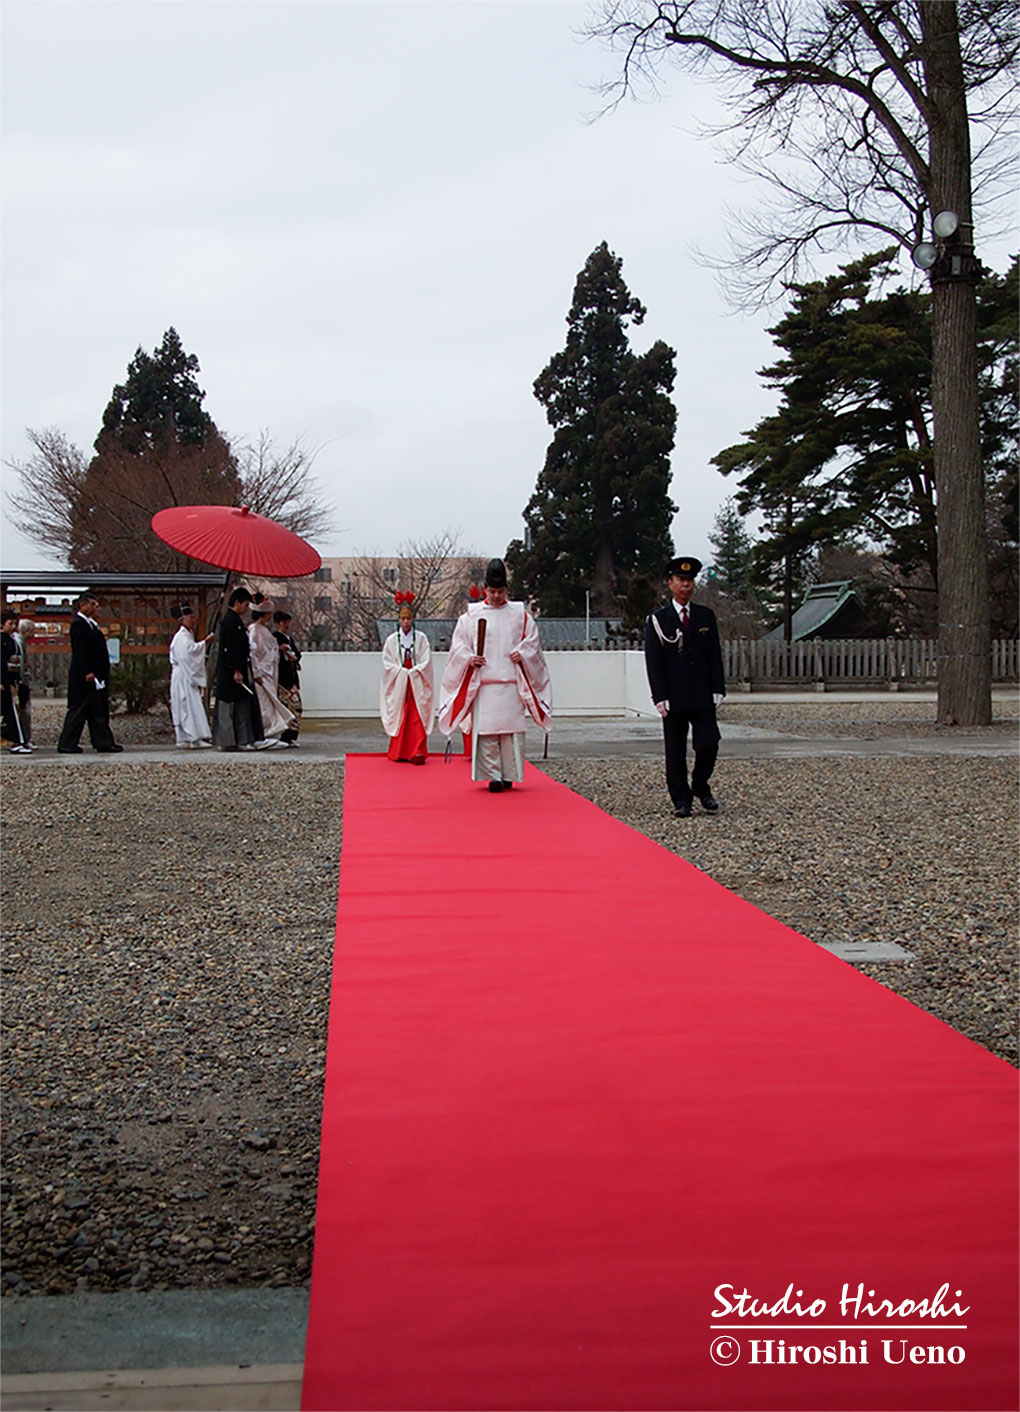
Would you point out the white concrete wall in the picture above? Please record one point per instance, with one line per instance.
(583, 683)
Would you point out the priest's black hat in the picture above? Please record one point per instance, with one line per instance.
(495, 574)
(683, 568)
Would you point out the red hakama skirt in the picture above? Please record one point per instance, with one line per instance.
(410, 740)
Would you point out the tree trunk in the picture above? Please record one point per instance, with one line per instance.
(603, 598)
(788, 577)
(965, 677)
(965, 668)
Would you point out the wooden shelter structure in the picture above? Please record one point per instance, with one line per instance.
(135, 611)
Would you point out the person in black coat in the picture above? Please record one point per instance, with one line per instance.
(290, 672)
(12, 728)
(683, 658)
(88, 684)
(237, 723)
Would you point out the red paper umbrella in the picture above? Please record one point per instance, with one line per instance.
(236, 539)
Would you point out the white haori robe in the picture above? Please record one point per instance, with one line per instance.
(265, 666)
(187, 678)
(496, 699)
(396, 678)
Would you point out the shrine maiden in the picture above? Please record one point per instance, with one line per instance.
(187, 679)
(407, 692)
(495, 678)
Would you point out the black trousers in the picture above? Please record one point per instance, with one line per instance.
(705, 739)
(13, 727)
(93, 710)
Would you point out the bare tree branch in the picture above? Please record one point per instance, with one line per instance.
(279, 485)
(829, 106)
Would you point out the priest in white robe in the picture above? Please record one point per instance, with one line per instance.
(407, 693)
(187, 681)
(265, 667)
(496, 678)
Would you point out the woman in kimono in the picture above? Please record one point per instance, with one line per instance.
(187, 678)
(407, 694)
(265, 666)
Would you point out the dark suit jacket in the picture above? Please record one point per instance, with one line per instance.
(8, 649)
(686, 674)
(89, 653)
(234, 655)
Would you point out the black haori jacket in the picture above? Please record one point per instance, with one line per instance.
(234, 654)
(684, 669)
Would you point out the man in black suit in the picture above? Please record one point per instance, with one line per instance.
(88, 684)
(685, 672)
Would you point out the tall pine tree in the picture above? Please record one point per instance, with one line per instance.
(601, 511)
(848, 453)
(157, 447)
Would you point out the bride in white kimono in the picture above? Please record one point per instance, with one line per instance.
(265, 666)
(187, 678)
(496, 677)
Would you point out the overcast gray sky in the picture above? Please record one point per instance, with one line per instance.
(365, 217)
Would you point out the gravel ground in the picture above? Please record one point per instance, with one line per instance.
(897, 716)
(166, 965)
(168, 943)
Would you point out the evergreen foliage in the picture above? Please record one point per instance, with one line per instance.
(847, 457)
(733, 563)
(601, 511)
(157, 447)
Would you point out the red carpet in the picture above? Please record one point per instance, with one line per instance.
(573, 1087)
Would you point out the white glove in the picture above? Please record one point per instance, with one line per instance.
(718, 698)
(662, 707)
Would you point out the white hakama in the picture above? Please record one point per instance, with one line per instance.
(495, 700)
(187, 678)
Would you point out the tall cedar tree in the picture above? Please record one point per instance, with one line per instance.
(849, 451)
(157, 447)
(858, 115)
(601, 511)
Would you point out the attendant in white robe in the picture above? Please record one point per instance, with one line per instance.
(497, 677)
(406, 693)
(265, 666)
(187, 681)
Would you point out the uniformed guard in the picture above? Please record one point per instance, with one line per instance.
(685, 672)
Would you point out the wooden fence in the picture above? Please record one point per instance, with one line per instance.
(912, 661)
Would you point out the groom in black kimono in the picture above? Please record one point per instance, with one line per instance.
(237, 723)
(685, 672)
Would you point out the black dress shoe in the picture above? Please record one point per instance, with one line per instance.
(495, 786)
(69, 750)
(682, 810)
(109, 749)
(507, 784)
(709, 802)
